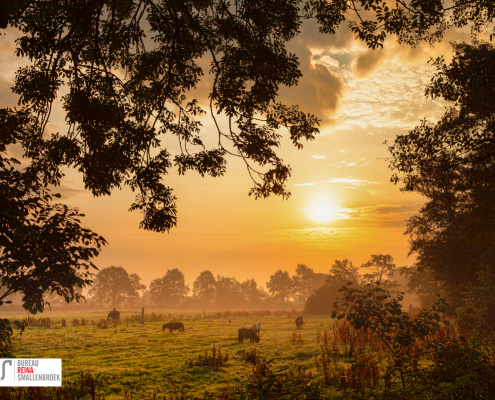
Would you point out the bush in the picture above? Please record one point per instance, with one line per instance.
(7, 336)
(478, 311)
(320, 302)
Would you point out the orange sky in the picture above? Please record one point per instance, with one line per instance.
(343, 204)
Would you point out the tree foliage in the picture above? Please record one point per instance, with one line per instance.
(204, 286)
(115, 286)
(343, 271)
(452, 164)
(305, 281)
(7, 336)
(43, 247)
(321, 300)
(379, 311)
(170, 290)
(128, 70)
(382, 270)
(280, 285)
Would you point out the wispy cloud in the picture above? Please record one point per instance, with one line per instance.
(386, 215)
(349, 181)
(319, 157)
(306, 184)
(362, 162)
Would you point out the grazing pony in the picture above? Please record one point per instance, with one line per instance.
(257, 328)
(245, 333)
(172, 326)
(113, 316)
(299, 322)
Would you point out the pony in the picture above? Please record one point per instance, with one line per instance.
(113, 316)
(245, 333)
(172, 326)
(299, 322)
(257, 328)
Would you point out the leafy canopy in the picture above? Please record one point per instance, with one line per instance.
(127, 71)
(43, 247)
(452, 164)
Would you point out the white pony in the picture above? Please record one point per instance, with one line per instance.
(257, 328)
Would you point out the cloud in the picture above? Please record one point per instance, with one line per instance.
(381, 215)
(348, 180)
(365, 63)
(319, 157)
(306, 184)
(362, 162)
(319, 91)
(382, 212)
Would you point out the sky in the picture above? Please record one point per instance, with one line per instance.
(343, 204)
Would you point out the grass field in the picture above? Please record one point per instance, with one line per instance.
(139, 357)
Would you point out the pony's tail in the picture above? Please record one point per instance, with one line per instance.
(239, 336)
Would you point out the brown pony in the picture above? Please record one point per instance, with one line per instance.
(113, 316)
(245, 333)
(299, 322)
(172, 326)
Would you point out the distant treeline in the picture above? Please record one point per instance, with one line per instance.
(315, 292)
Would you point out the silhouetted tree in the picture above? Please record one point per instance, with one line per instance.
(115, 286)
(344, 271)
(170, 290)
(306, 281)
(382, 270)
(228, 292)
(452, 164)
(43, 247)
(251, 292)
(280, 285)
(321, 300)
(423, 285)
(204, 287)
(114, 120)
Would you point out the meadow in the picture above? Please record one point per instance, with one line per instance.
(139, 357)
(327, 358)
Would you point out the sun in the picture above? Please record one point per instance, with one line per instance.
(323, 211)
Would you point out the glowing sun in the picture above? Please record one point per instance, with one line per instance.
(323, 211)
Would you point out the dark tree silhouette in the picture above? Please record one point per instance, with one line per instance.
(204, 287)
(170, 290)
(43, 247)
(452, 164)
(280, 285)
(305, 281)
(381, 268)
(114, 286)
(114, 121)
(344, 271)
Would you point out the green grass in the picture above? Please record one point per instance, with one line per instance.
(142, 357)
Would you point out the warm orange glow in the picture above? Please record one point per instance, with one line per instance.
(323, 210)
(342, 205)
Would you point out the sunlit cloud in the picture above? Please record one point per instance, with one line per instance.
(348, 180)
(383, 214)
(319, 157)
(306, 184)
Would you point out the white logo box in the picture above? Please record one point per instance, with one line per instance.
(30, 372)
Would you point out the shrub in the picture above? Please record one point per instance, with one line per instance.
(7, 336)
